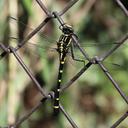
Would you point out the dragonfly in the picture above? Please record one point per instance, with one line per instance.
(63, 47)
(50, 41)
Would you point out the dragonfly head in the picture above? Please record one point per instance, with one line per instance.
(66, 29)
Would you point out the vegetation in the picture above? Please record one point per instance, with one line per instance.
(92, 101)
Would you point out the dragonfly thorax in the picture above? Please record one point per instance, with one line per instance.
(64, 43)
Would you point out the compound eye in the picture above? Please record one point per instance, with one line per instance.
(66, 29)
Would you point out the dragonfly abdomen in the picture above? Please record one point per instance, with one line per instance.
(57, 91)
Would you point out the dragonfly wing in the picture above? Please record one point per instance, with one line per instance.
(36, 49)
(23, 27)
(42, 48)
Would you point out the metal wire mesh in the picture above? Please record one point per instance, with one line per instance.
(91, 61)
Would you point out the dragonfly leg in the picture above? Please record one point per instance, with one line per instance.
(73, 55)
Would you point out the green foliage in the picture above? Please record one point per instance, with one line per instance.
(3, 113)
(28, 6)
(92, 101)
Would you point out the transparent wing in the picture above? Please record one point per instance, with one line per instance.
(37, 49)
(37, 46)
(48, 44)
(26, 29)
(49, 39)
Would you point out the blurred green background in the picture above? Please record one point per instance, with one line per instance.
(92, 101)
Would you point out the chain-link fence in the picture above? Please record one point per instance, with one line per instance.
(97, 60)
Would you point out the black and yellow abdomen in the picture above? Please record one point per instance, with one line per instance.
(62, 48)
